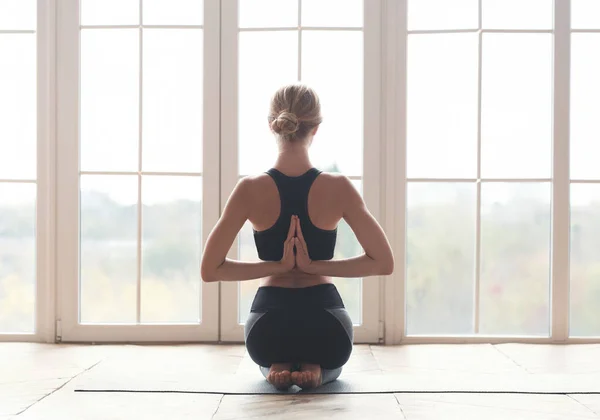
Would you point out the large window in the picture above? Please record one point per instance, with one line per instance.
(585, 169)
(470, 127)
(134, 191)
(479, 138)
(141, 161)
(18, 165)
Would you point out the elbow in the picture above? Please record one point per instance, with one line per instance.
(387, 266)
(382, 266)
(208, 275)
(208, 279)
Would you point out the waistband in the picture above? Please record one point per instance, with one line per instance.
(325, 296)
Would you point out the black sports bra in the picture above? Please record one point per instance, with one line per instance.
(293, 193)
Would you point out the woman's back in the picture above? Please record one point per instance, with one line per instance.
(319, 204)
(324, 205)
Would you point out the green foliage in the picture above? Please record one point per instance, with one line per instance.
(515, 258)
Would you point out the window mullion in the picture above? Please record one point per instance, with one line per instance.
(560, 185)
(394, 114)
(476, 289)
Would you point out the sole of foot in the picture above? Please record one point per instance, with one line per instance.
(309, 376)
(280, 376)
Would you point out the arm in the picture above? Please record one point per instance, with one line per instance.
(216, 267)
(377, 258)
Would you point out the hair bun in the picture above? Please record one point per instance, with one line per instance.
(286, 123)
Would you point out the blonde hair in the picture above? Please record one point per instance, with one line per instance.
(295, 111)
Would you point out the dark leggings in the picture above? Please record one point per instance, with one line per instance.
(306, 325)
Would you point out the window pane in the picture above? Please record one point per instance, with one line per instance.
(333, 13)
(442, 14)
(268, 14)
(585, 106)
(172, 100)
(108, 249)
(171, 241)
(585, 264)
(173, 12)
(110, 12)
(515, 259)
(109, 99)
(517, 14)
(18, 14)
(440, 258)
(332, 63)
(18, 121)
(17, 258)
(261, 73)
(516, 106)
(585, 14)
(442, 106)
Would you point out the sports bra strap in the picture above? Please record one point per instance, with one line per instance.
(293, 190)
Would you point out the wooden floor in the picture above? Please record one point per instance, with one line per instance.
(37, 382)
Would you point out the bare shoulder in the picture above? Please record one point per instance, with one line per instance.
(242, 192)
(255, 183)
(339, 182)
(342, 188)
(250, 187)
(334, 179)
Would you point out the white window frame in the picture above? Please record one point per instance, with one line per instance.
(370, 330)
(385, 178)
(395, 72)
(45, 180)
(68, 327)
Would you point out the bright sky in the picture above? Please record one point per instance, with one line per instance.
(442, 91)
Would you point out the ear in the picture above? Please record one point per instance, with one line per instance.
(314, 132)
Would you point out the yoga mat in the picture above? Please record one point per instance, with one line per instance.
(106, 379)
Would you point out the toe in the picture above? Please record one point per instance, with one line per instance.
(283, 380)
(296, 377)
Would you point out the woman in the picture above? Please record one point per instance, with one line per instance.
(298, 331)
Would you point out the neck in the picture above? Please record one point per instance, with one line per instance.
(293, 158)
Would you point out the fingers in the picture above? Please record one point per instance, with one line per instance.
(299, 229)
(296, 221)
(292, 230)
(289, 245)
(300, 235)
(286, 248)
(300, 246)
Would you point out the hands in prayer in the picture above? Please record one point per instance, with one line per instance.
(295, 239)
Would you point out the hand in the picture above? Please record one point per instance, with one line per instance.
(303, 261)
(288, 260)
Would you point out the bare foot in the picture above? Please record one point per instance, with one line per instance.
(280, 375)
(309, 376)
